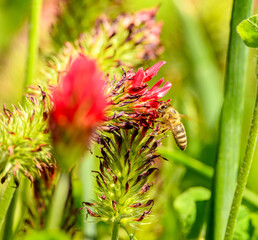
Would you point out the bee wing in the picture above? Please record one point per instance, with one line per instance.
(189, 118)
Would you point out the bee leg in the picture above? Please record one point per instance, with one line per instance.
(164, 128)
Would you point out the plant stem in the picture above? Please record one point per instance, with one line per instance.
(32, 55)
(58, 203)
(6, 200)
(204, 170)
(88, 186)
(230, 125)
(115, 229)
(244, 172)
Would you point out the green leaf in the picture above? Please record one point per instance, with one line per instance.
(186, 206)
(254, 221)
(248, 31)
(242, 225)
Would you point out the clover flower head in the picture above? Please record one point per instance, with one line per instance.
(78, 101)
(25, 150)
(132, 99)
(78, 105)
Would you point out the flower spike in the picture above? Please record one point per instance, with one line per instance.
(79, 104)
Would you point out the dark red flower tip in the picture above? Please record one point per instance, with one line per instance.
(79, 100)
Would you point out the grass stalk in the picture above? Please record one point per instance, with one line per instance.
(206, 74)
(88, 185)
(243, 173)
(32, 55)
(230, 124)
(58, 204)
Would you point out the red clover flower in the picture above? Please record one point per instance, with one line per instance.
(131, 99)
(79, 104)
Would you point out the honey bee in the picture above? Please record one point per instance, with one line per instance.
(171, 118)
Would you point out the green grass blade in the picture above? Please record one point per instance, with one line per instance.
(187, 161)
(231, 123)
(88, 186)
(6, 200)
(34, 25)
(207, 76)
(204, 170)
(55, 217)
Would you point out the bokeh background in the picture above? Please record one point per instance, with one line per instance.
(195, 36)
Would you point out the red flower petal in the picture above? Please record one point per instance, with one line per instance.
(156, 93)
(79, 100)
(163, 91)
(156, 85)
(152, 71)
(138, 78)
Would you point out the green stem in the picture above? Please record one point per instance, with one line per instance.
(58, 203)
(179, 157)
(115, 229)
(88, 185)
(32, 56)
(230, 125)
(130, 235)
(243, 173)
(6, 200)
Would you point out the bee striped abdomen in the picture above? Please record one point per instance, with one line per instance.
(179, 134)
(171, 118)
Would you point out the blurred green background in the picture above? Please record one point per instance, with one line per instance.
(195, 37)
